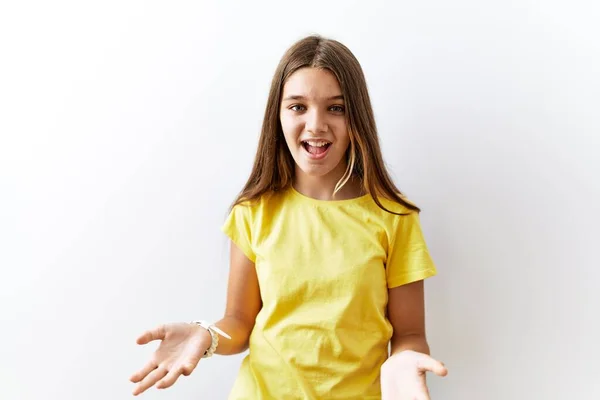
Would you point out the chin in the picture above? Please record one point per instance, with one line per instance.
(316, 171)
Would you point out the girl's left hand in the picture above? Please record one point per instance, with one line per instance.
(403, 375)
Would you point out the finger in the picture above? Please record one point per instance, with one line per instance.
(150, 380)
(427, 363)
(169, 379)
(157, 333)
(443, 371)
(189, 367)
(141, 374)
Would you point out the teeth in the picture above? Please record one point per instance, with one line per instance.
(316, 143)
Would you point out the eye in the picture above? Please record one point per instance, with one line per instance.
(297, 107)
(337, 109)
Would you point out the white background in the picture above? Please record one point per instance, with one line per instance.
(128, 127)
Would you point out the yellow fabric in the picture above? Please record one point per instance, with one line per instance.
(324, 268)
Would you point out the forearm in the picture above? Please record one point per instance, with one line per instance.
(415, 342)
(239, 331)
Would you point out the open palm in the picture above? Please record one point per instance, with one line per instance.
(181, 348)
(403, 376)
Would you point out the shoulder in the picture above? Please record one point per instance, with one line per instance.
(257, 208)
(397, 219)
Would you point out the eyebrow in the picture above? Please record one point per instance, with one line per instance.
(299, 97)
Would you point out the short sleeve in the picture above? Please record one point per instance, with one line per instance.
(408, 258)
(238, 227)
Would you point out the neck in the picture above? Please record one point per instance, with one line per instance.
(322, 187)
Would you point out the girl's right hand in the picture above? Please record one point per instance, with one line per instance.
(181, 348)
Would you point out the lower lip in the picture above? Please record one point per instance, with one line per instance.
(316, 156)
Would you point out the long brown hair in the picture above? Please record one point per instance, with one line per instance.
(274, 166)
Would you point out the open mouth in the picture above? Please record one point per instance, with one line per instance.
(316, 148)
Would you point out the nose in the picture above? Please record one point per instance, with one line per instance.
(316, 123)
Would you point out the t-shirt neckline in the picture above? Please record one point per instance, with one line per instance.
(333, 202)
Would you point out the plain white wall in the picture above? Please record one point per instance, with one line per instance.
(128, 127)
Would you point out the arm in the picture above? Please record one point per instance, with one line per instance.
(243, 303)
(183, 344)
(403, 374)
(406, 311)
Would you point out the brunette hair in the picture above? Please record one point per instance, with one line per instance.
(274, 166)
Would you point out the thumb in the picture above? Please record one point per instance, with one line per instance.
(427, 363)
(157, 333)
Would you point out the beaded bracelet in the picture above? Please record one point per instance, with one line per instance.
(213, 330)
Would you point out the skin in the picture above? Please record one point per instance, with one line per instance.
(312, 107)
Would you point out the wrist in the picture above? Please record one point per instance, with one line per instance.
(413, 342)
(204, 334)
(213, 336)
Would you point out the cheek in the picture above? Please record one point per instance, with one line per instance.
(342, 135)
(291, 130)
(289, 140)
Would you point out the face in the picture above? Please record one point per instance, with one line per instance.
(313, 119)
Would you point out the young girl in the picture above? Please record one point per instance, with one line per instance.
(327, 257)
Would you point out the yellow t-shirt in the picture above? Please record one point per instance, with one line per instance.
(324, 269)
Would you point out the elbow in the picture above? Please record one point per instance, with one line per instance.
(240, 330)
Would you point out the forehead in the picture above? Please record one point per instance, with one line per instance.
(313, 83)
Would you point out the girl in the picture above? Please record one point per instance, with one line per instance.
(327, 257)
